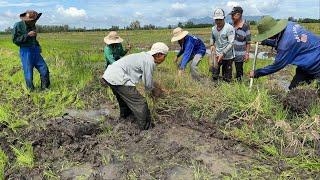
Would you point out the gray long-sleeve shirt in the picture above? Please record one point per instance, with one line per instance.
(223, 41)
(132, 69)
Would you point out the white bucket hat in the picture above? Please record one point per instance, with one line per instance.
(218, 14)
(178, 34)
(159, 47)
(113, 38)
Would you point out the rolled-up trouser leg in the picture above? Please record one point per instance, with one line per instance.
(194, 67)
(137, 104)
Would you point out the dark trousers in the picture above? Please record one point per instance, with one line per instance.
(132, 102)
(302, 77)
(226, 70)
(239, 70)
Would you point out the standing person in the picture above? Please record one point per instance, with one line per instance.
(222, 45)
(25, 36)
(192, 48)
(242, 40)
(113, 50)
(294, 45)
(122, 76)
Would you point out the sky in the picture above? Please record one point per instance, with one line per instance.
(104, 14)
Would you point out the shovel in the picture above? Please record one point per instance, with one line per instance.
(254, 63)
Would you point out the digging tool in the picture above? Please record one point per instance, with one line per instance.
(254, 63)
(212, 61)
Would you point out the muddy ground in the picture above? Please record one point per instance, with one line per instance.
(94, 148)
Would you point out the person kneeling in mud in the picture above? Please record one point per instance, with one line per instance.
(113, 50)
(294, 45)
(124, 74)
(191, 48)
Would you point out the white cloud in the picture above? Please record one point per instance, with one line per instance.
(232, 4)
(178, 6)
(72, 12)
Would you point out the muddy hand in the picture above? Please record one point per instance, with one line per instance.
(251, 74)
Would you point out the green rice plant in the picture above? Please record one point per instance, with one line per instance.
(3, 163)
(24, 155)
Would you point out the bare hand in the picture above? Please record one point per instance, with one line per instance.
(219, 58)
(32, 34)
(176, 60)
(129, 47)
(246, 57)
(251, 75)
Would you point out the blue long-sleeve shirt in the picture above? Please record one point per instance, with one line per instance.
(297, 46)
(191, 46)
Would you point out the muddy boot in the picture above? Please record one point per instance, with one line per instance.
(45, 82)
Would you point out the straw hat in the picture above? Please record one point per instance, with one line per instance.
(268, 27)
(30, 15)
(113, 38)
(178, 34)
(159, 47)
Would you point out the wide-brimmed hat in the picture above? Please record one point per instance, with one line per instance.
(218, 14)
(178, 34)
(159, 47)
(30, 15)
(268, 27)
(113, 38)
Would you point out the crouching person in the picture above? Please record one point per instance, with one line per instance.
(25, 36)
(124, 74)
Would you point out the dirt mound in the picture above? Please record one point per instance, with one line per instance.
(299, 101)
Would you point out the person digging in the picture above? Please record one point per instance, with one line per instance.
(294, 45)
(192, 48)
(24, 35)
(113, 50)
(124, 74)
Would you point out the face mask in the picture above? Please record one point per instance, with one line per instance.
(270, 42)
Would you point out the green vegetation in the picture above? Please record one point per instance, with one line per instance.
(256, 117)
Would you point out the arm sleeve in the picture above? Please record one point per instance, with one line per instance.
(123, 52)
(282, 59)
(231, 36)
(187, 55)
(180, 52)
(17, 37)
(248, 35)
(147, 76)
(108, 55)
(212, 40)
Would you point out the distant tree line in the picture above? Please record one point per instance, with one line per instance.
(304, 20)
(136, 25)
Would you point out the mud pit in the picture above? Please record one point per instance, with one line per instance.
(112, 149)
(299, 101)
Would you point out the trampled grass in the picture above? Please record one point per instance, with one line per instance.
(76, 61)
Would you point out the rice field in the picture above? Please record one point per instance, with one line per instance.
(259, 133)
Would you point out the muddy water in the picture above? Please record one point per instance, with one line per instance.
(78, 145)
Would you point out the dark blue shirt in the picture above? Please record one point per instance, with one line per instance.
(297, 46)
(191, 46)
